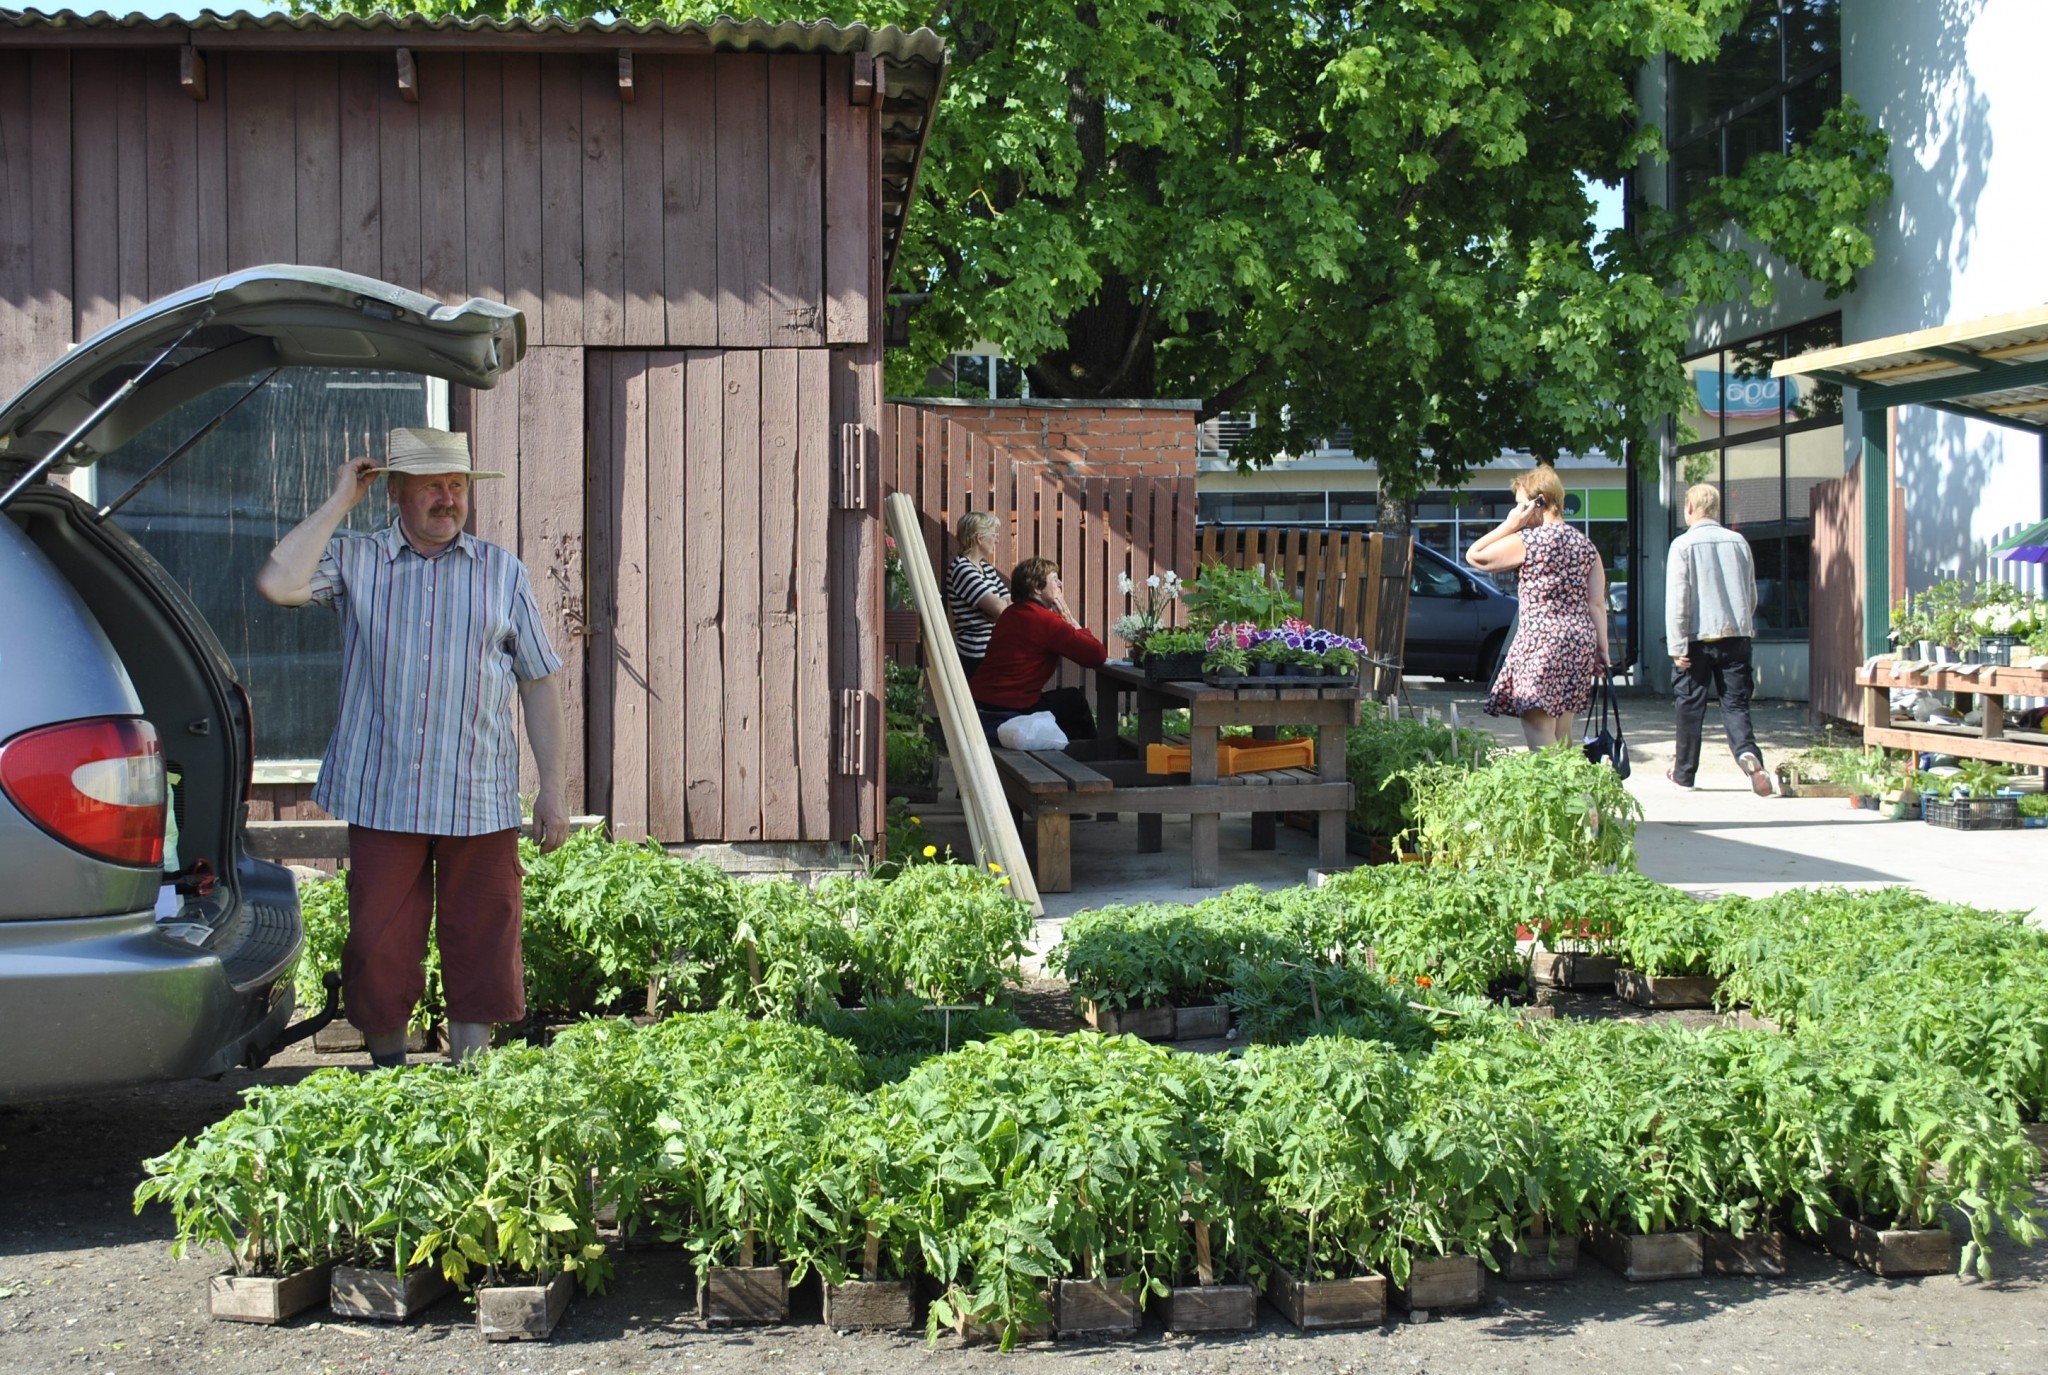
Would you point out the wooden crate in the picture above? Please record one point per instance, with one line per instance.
(1572, 969)
(380, 1296)
(1211, 1308)
(1652, 1256)
(1312, 1305)
(1758, 1253)
(1103, 1307)
(1440, 1282)
(1201, 1023)
(734, 1294)
(1665, 991)
(1152, 1023)
(1533, 1260)
(523, 1312)
(269, 1298)
(879, 1305)
(1890, 1252)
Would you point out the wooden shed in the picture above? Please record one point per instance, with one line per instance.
(698, 222)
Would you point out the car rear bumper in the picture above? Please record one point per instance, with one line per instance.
(95, 1003)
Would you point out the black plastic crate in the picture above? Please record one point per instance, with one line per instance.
(1974, 813)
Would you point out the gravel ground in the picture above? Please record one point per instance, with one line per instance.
(87, 1285)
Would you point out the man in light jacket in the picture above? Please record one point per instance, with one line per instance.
(1709, 623)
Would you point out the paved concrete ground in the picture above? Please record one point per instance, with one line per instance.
(1717, 838)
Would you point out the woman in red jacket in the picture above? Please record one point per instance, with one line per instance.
(1025, 651)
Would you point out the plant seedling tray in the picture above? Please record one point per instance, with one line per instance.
(1972, 813)
(1447, 1282)
(523, 1312)
(1235, 756)
(1758, 1253)
(735, 1294)
(1530, 1259)
(1638, 1256)
(1211, 1308)
(1572, 969)
(1792, 785)
(1889, 1252)
(1206, 1022)
(1312, 1305)
(873, 1305)
(381, 1296)
(1102, 1307)
(340, 1038)
(1662, 991)
(269, 1298)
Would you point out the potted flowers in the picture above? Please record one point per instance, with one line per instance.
(1137, 628)
(2003, 619)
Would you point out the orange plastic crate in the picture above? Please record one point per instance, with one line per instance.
(1235, 755)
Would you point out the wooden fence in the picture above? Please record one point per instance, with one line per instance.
(1093, 526)
(1349, 581)
(1835, 644)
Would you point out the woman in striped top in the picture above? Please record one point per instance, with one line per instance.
(975, 592)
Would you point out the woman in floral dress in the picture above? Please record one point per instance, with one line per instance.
(1560, 645)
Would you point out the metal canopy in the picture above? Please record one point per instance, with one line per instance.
(1993, 369)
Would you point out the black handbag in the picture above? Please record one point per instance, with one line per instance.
(1602, 738)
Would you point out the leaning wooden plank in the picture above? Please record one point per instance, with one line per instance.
(995, 831)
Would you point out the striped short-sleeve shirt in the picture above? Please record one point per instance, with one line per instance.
(967, 582)
(433, 650)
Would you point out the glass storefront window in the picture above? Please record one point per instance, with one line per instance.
(212, 518)
(1774, 79)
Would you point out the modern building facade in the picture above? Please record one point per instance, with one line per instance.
(1951, 83)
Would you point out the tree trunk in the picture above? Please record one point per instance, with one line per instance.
(1397, 515)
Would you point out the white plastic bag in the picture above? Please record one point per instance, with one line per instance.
(1038, 731)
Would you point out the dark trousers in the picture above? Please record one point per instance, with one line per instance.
(467, 888)
(1069, 707)
(1717, 666)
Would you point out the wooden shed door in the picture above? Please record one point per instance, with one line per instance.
(710, 695)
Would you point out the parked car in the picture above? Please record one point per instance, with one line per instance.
(1458, 621)
(115, 967)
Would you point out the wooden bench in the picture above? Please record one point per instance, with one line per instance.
(1049, 787)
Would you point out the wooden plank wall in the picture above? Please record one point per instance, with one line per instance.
(1835, 646)
(1351, 581)
(722, 230)
(1093, 526)
(697, 216)
(710, 643)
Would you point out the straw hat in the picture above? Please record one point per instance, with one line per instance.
(420, 451)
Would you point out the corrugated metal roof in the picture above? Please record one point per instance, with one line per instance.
(1994, 368)
(914, 61)
(724, 34)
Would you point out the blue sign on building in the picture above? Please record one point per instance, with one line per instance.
(1735, 397)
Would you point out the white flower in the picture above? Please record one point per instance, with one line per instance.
(1124, 583)
(1152, 581)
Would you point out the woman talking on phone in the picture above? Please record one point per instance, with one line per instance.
(1561, 643)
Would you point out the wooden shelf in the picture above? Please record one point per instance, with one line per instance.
(1992, 683)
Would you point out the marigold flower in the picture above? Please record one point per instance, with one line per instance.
(1422, 981)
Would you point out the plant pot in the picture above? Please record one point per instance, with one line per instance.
(1211, 1308)
(874, 1305)
(899, 625)
(523, 1312)
(1313, 1305)
(1440, 1282)
(1757, 1253)
(1638, 1256)
(1181, 667)
(1265, 670)
(381, 1296)
(1103, 1307)
(734, 1294)
(1664, 991)
(269, 1298)
(1889, 1252)
(1535, 1259)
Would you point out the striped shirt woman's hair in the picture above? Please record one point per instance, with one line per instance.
(972, 528)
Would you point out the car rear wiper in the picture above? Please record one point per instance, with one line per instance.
(157, 468)
(99, 412)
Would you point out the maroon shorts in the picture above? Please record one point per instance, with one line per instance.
(396, 884)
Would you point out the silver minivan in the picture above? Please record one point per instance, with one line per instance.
(123, 960)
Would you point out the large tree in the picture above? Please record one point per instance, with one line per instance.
(1370, 215)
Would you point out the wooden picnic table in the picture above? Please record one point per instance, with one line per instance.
(1206, 796)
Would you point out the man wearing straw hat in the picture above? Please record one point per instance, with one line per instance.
(439, 629)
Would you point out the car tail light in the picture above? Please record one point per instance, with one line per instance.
(96, 785)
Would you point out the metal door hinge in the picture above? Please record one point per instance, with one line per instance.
(853, 732)
(853, 467)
